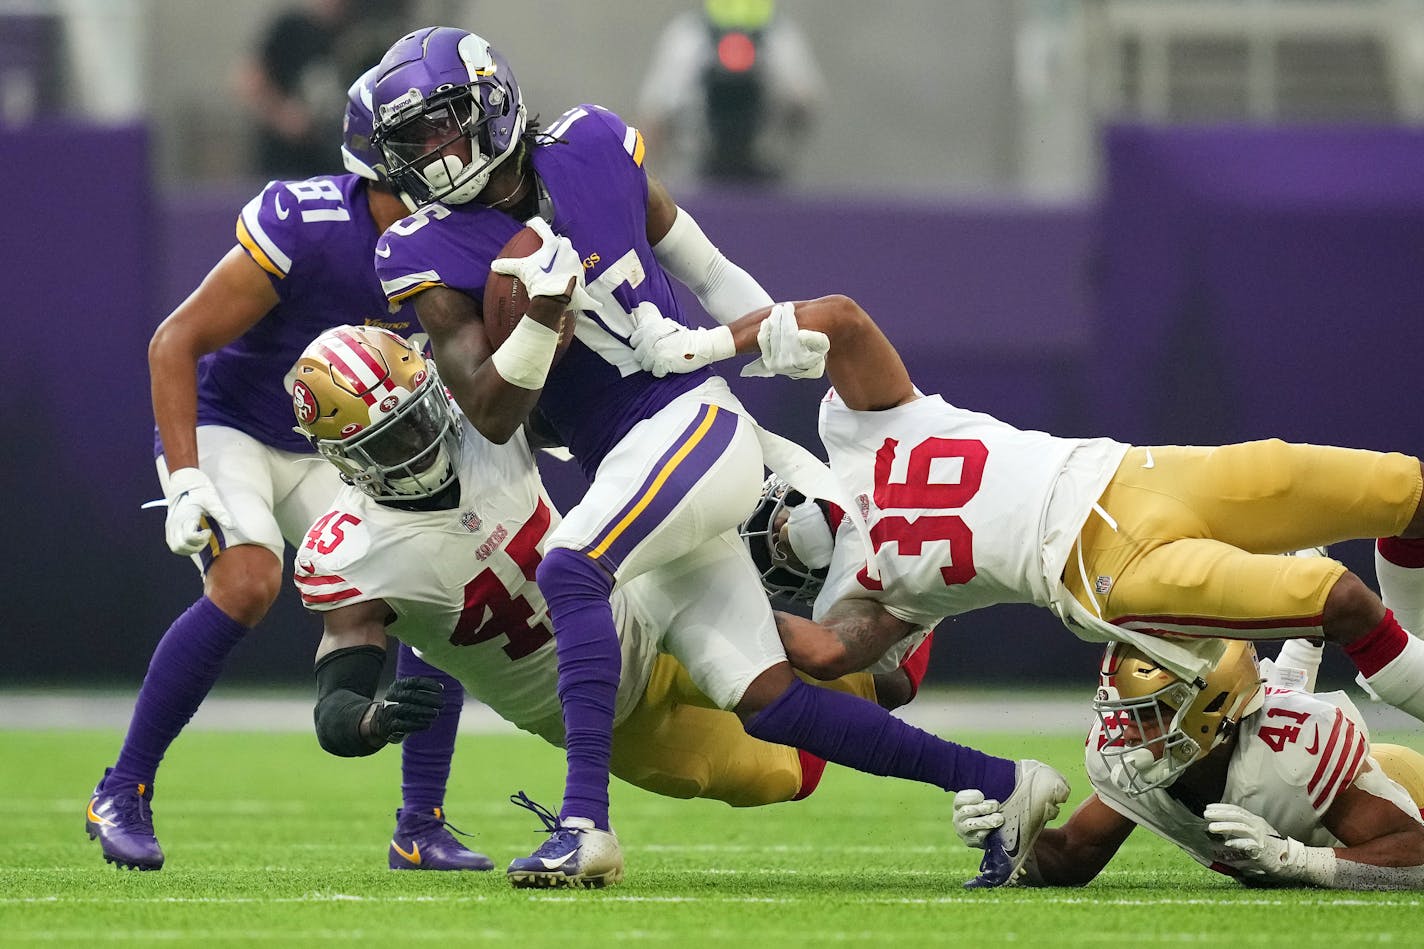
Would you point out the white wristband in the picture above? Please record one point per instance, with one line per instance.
(523, 359)
(720, 344)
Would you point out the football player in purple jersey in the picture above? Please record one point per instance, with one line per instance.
(674, 462)
(240, 483)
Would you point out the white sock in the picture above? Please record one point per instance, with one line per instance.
(1401, 682)
(1402, 589)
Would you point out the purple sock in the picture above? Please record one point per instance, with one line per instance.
(859, 734)
(185, 664)
(425, 755)
(589, 665)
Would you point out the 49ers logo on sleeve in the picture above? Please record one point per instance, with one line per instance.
(303, 402)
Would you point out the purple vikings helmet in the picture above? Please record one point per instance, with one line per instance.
(358, 153)
(441, 91)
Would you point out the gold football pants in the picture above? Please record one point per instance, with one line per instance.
(1405, 766)
(677, 743)
(1192, 539)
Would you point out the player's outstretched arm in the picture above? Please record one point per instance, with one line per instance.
(850, 637)
(350, 721)
(862, 364)
(1383, 846)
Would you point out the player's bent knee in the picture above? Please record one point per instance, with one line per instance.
(573, 573)
(244, 582)
(766, 688)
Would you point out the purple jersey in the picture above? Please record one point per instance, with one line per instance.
(592, 170)
(316, 240)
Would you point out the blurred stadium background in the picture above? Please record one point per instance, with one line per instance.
(1189, 221)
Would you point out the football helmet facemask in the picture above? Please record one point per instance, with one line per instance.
(1156, 724)
(375, 408)
(358, 153)
(783, 563)
(448, 112)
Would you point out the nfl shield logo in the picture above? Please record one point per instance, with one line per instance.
(472, 521)
(1102, 585)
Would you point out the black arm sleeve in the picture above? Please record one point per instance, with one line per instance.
(346, 682)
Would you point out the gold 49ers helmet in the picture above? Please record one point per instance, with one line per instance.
(1156, 724)
(374, 407)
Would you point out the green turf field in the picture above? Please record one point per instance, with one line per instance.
(270, 841)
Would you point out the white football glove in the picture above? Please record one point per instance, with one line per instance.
(662, 345)
(547, 271)
(787, 349)
(192, 496)
(975, 817)
(1252, 839)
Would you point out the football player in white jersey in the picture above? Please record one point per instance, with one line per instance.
(1270, 785)
(435, 541)
(1123, 543)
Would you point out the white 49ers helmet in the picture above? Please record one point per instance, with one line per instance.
(1156, 724)
(374, 407)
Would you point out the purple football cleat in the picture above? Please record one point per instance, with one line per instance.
(577, 854)
(122, 820)
(423, 841)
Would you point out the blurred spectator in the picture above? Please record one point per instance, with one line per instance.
(295, 81)
(730, 95)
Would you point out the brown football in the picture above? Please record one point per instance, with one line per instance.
(506, 299)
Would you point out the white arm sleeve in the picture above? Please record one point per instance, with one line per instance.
(725, 290)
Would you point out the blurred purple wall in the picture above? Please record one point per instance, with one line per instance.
(1233, 283)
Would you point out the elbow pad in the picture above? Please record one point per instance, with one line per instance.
(346, 682)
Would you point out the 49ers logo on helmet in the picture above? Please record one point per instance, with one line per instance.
(389, 403)
(304, 403)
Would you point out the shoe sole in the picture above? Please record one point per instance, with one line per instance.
(557, 881)
(430, 869)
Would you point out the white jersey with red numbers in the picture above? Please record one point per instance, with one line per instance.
(1292, 759)
(965, 511)
(461, 583)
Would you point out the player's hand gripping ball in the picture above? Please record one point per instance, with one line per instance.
(534, 262)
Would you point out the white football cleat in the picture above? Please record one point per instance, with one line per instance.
(577, 854)
(1037, 795)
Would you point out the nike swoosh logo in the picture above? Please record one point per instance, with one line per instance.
(101, 821)
(1314, 742)
(550, 267)
(281, 211)
(556, 864)
(413, 854)
(382, 253)
(1150, 462)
